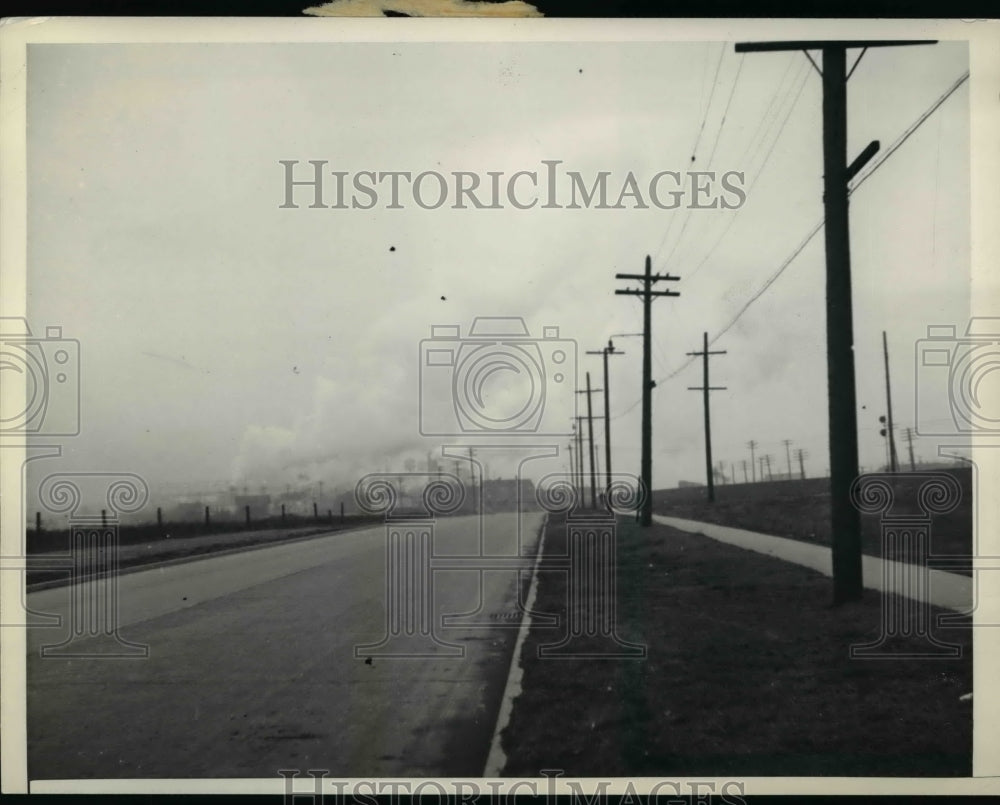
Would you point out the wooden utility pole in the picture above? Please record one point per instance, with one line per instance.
(753, 466)
(705, 388)
(893, 460)
(909, 442)
(843, 417)
(800, 454)
(648, 279)
(746, 480)
(579, 456)
(788, 456)
(590, 436)
(608, 350)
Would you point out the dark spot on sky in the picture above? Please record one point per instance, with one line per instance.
(295, 369)
(581, 71)
(444, 299)
(392, 248)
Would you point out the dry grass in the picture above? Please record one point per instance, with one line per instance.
(747, 673)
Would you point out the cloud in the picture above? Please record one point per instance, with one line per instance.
(423, 8)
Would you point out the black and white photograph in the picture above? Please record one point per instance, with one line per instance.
(429, 406)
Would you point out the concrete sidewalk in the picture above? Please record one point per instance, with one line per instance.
(946, 590)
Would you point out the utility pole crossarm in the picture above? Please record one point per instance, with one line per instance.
(639, 292)
(825, 44)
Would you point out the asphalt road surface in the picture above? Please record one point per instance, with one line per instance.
(252, 667)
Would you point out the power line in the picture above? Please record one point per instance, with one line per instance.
(875, 165)
(815, 230)
(708, 164)
(767, 157)
(725, 112)
(906, 134)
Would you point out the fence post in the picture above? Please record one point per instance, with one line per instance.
(282, 513)
(208, 517)
(159, 517)
(341, 511)
(38, 522)
(104, 518)
(246, 510)
(315, 511)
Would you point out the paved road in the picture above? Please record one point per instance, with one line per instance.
(252, 668)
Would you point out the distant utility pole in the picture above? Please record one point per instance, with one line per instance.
(472, 481)
(767, 461)
(579, 456)
(705, 388)
(572, 465)
(753, 465)
(909, 441)
(608, 350)
(648, 279)
(788, 456)
(893, 461)
(746, 480)
(845, 518)
(590, 432)
(800, 454)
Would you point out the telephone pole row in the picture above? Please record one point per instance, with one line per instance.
(605, 352)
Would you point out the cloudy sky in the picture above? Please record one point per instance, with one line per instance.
(227, 340)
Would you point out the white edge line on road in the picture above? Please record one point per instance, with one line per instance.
(497, 759)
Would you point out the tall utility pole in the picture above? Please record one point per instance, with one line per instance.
(746, 480)
(909, 441)
(705, 388)
(590, 436)
(648, 279)
(843, 415)
(608, 350)
(788, 456)
(893, 460)
(753, 466)
(477, 499)
(579, 456)
(800, 454)
(572, 464)
(767, 461)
